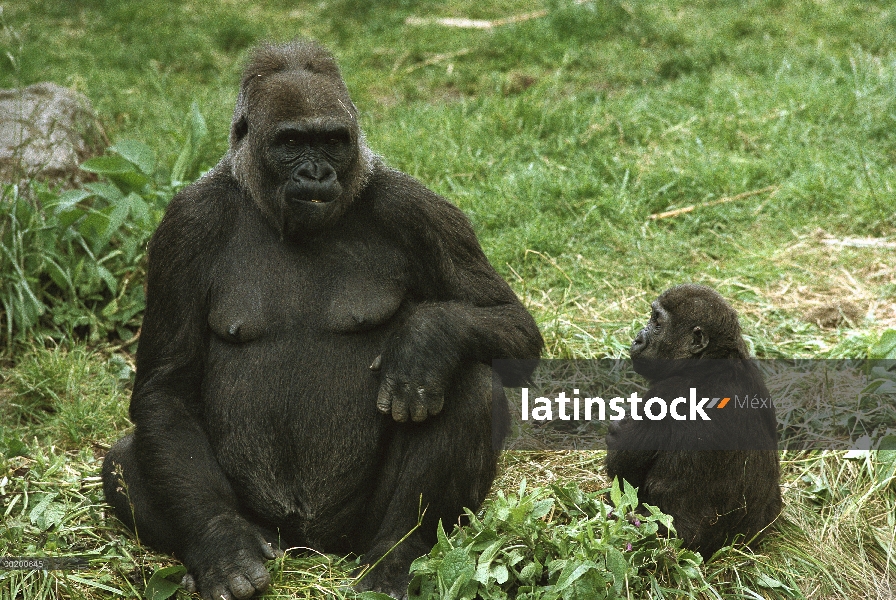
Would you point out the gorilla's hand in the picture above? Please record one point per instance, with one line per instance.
(614, 431)
(418, 363)
(230, 562)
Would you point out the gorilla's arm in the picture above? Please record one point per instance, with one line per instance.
(466, 311)
(629, 452)
(176, 461)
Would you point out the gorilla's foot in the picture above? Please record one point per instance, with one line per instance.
(229, 563)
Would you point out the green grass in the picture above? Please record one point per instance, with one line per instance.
(559, 136)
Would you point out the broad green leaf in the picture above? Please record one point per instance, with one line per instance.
(456, 571)
(616, 494)
(500, 573)
(572, 571)
(67, 200)
(885, 348)
(888, 442)
(159, 587)
(93, 228)
(886, 458)
(67, 218)
(107, 191)
(137, 153)
(617, 565)
(483, 565)
(41, 506)
(542, 508)
(425, 564)
(529, 572)
(443, 544)
(137, 207)
(108, 165)
(133, 180)
(110, 308)
(631, 495)
(489, 553)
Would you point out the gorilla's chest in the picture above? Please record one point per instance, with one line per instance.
(287, 385)
(267, 287)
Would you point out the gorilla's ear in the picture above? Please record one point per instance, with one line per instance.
(699, 341)
(238, 130)
(239, 127)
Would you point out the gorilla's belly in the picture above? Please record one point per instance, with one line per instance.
(296, 443)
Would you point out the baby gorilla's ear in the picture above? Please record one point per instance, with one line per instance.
(699, 341)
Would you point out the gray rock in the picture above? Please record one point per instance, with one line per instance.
(46, 131)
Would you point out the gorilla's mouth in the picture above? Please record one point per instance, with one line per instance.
(303, 193)
(312, 200)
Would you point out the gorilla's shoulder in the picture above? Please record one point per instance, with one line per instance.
(200, 215)
(401, 200)
(211, 198)
(391, 184)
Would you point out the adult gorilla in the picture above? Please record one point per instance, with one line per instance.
(314, 361)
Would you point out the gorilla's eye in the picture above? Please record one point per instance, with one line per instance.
(290, 138)
(335, 137)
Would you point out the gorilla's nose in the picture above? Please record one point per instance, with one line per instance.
(319, 173)
(639, 343)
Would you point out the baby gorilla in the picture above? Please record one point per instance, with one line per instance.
(718, 478)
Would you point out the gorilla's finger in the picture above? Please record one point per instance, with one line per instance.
(400, 408)
(258, 577)
(217, 592)
(240, 586)
(419, 410)
(188, 583)
(386, 395)
(268, 550)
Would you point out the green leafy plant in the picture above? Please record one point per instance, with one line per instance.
(556, 542)
(72, 263)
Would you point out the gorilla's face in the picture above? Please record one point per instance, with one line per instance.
(301, 153)
(666, 340)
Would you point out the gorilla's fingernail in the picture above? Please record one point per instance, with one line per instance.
(377, 363)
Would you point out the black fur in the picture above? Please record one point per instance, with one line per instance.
(718, 479)
(314, 361)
